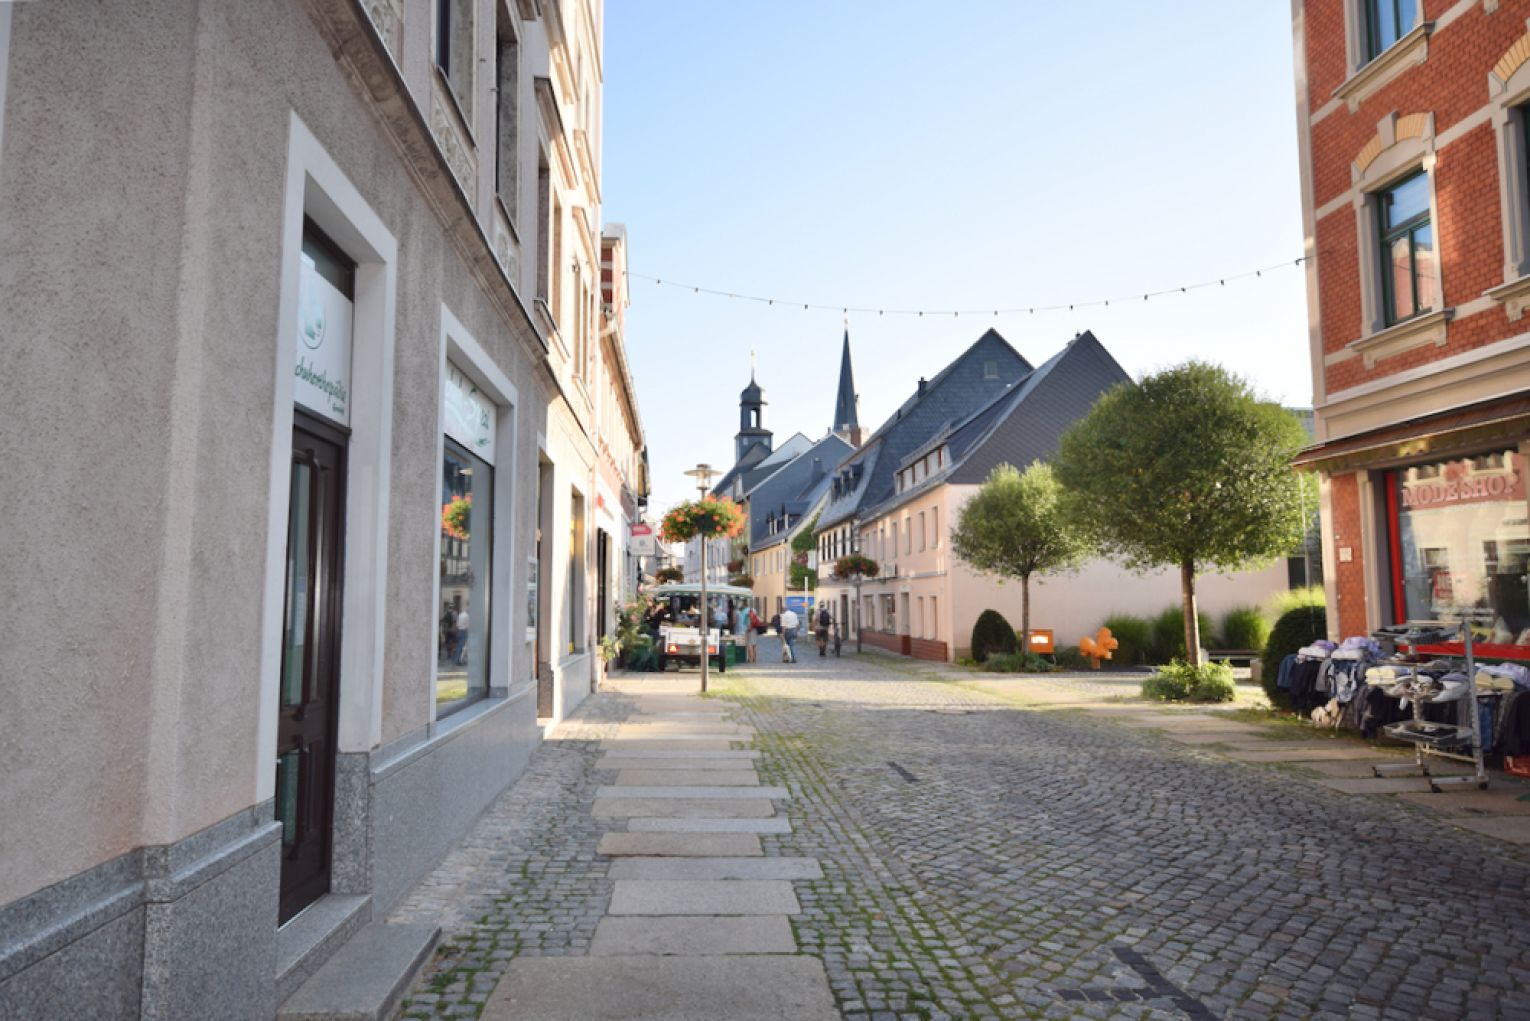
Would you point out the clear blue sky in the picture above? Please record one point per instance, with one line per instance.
(942, 156)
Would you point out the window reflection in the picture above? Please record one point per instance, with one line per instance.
(462, 640)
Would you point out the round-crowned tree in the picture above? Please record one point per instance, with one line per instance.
(991, 634)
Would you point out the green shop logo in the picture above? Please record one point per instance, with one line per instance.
(320, 380)
(311, 318)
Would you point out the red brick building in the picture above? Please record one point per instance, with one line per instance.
(1412, 122)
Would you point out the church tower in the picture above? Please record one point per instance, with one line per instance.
(847, 425)
(751, 420)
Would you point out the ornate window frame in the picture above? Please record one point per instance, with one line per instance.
(1509, 96)
(1401, 146)
(1367, 75)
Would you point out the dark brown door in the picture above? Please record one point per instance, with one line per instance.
(305, 736)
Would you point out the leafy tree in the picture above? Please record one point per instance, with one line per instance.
(1014, 527)
(1187, 469)
(799, 574)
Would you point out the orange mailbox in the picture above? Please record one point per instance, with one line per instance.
(1041, 641)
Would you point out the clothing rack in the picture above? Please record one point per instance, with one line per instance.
(1445, 741)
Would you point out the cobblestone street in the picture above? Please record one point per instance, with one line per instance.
(982, 859)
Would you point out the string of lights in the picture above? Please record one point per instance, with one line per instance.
(1067, 306)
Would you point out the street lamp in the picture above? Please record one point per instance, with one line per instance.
(703, 474)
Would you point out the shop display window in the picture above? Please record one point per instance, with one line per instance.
(462, 640)
(1461, 544)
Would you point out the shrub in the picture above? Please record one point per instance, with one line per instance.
(1017, 663)
(1134, 638)
(1069, 658)
(1169, 635)
(992, 634)
(1178, 681)
(1295, 628)
(1282, 603)
(1244, 627)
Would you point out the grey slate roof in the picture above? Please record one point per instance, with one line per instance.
(845, 415)
(955, 393)
(793, 489)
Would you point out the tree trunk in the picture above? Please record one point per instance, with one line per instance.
(1025, 614)
(1192, 620)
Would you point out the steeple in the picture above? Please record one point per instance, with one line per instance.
(751, 418)
(847, 425)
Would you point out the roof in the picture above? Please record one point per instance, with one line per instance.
(756, 453)
(845, 416)
(1022, 425)
(793, 488)
(957, 391)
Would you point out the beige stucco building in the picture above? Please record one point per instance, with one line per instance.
(318, 282)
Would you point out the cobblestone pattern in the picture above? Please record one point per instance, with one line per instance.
(983, 861)
(526, 881)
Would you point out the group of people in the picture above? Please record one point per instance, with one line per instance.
(452, 638)
(743, 620)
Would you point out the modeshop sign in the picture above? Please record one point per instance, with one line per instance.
(1485, 487)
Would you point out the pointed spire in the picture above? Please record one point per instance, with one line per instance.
(846, 419)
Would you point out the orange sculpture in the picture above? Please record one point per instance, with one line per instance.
(1099, 647)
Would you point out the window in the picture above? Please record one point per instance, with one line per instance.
(934, 618)
(935, 526)
(544, 228)
(908, 535)
(462, 640)
(990, 370)
(921, 532)
(454, 51)
(1387, 21)
(894, 536)
(918, 631)
(575, 587)
(555, 227)
(507, 59)
(890, 614)
(1461, 543)
(904, 599)
(1407, 249)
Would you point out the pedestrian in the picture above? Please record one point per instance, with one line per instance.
(788, 631)
(462, 637)
(756, 628)
(822, 630)
(743, 629)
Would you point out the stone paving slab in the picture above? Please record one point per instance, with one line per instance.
(679, 845)
(676, 714)
(1212, 736)
(666, 744)
(1472, 802)
(703, 897)
(1514, 829)
(680, 729)
(716, 868)
(682, 808)
(687, 778)
(731, 754)
(1306, 755)
(610, 791)
(627, 762)
(693, 935)
(1380, 785)
(742, 988)
(1354, 769)
(776, 825)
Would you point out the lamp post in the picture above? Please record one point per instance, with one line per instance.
(703, 475)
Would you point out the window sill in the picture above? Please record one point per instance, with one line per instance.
(1422, 329)
(1514, 295)
(1409, 51)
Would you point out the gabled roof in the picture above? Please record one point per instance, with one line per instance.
(963, 387)
(793, 488)
(756, 453)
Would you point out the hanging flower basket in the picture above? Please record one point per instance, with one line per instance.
(455, 515)
(709, 517)
(669, 574)
(853, 566)
(742, 580)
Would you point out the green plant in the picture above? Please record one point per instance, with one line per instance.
(1169, 634)
(610, 648)
(1188, 469)
(1018, 663)
(854, 566)
(1179, 681)
(1135, 638)
(1295, 628)
(1069, 658)
(991, 633)
(1244, 627)
(642, 655)
(1014, 527)
(707, 517)
(742, 580)
(1282, 603)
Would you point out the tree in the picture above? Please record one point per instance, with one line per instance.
(1014, 527)
(1188, 469)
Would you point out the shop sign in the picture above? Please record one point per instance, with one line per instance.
(643, 544)
(322, 373)
(470, 414)
(1460, 484)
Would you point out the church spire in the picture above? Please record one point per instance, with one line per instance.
(847, 424)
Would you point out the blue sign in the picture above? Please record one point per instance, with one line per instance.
(802, 606)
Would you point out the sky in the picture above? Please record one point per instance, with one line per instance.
(970, 155)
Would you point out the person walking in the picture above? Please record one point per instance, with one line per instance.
(743, 628)
(462, 637)
(822, 629)
(788, 635)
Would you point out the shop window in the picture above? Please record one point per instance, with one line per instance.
(462, 641)
(890, 614)
(1461, 544)
(1407, 249)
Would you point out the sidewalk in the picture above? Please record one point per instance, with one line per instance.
(672, 909)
